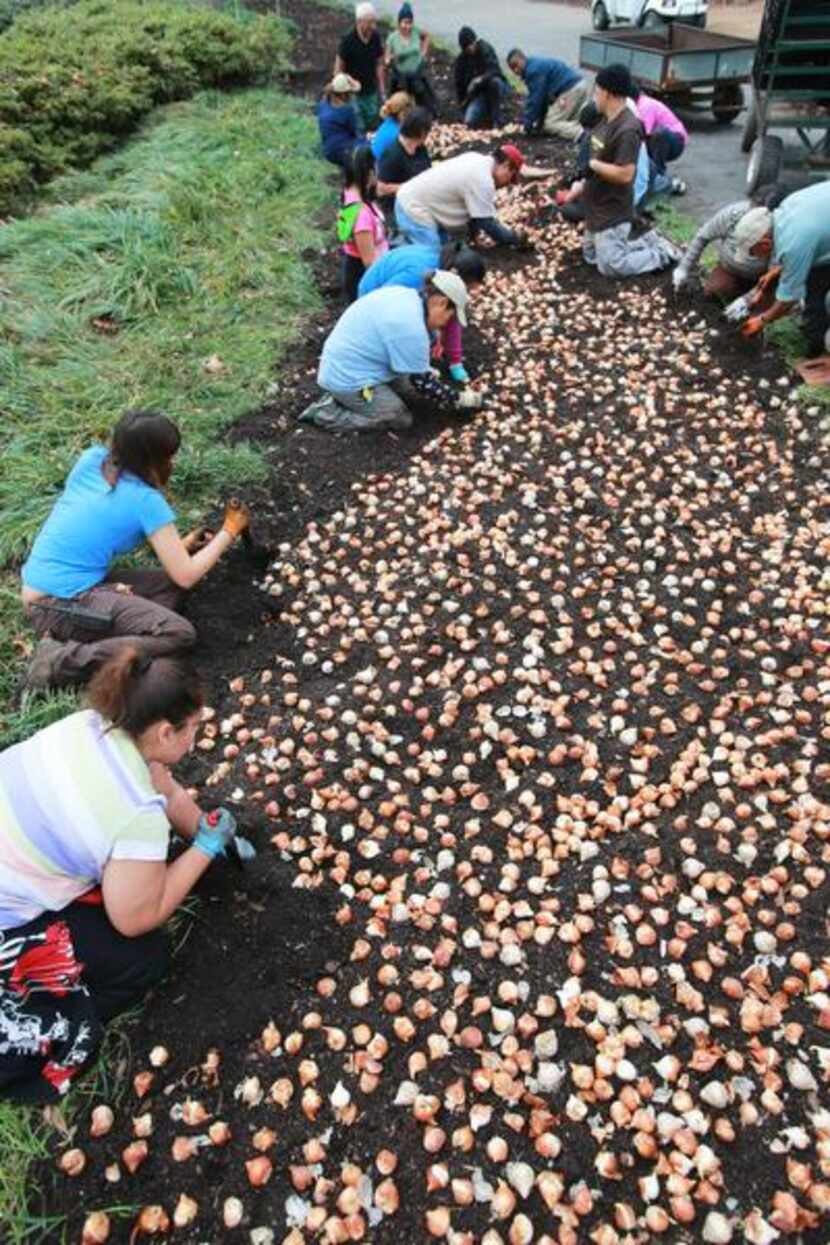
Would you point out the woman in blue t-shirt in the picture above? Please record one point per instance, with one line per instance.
(113, 501)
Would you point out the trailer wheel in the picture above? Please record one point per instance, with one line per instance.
(728, 102)
(652, 21)
(765, 162)
(751, 128)
(599, 17)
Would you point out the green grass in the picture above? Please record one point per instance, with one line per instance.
(189, 241)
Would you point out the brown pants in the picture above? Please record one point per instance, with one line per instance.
(145, 617)
(721, 283)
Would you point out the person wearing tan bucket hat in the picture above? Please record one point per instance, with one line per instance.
(340, 131)
(377, 357)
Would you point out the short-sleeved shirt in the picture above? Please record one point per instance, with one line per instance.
(406, 53)
(72, 797)
(369, 220)
(361, 59)
(405, 265)
(451, 193)
(614, 142)
(398, 166)
(91, 523)
(801, 238)
(379, 337)
(385, 135)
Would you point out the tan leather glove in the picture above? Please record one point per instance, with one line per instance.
(237, 517)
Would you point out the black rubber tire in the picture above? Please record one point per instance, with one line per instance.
(751, 128)
(728, 103)
(765, 161)
(652, 21)
(599, 17)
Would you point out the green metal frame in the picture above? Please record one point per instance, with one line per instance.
(770, 66)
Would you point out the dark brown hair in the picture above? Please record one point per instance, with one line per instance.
(134, 692)
(143, 443)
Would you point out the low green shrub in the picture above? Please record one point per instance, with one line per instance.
(10, 10)
(74, 81)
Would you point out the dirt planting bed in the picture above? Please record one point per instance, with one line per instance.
(527, 716)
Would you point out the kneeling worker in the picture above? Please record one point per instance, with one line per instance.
(796, 237)
(556, 94)
(379, 347)
(608, 196)
(456, 193)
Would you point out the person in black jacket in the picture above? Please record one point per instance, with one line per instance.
(479, 82)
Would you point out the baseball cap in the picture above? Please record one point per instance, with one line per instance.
(450, 283)
(750, 229)
(513, 154)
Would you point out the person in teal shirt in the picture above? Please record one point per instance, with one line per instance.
(407, 49)
(796, 239)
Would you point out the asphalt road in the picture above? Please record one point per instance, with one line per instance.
(712, 166)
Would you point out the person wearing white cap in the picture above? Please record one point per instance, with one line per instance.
(338, 120)
(360, 54)
(796, 238)
(735, 272)
(378, 353)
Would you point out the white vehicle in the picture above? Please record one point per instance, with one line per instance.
(648, 13)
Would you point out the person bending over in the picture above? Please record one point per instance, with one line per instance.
(392, 113)
(556, 93)
(459, 193)
(666, 139)
(608, 194)
(360, 224)
(795, 240)
(379, 352)
(411, 266)
(338, 120)
(112, 501)
(360, 54)
(405, 158)
(86, 810)
(480, 85)
(407, 49)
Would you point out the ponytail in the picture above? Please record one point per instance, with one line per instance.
(133, 692)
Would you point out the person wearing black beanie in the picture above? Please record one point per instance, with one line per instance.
(608, 195)
(480, 84)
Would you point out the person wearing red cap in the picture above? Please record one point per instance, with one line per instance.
(457, 193)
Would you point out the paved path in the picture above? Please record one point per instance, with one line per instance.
(713, 166)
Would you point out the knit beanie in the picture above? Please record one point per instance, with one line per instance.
(466, 37)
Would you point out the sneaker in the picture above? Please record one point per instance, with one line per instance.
(678, 187)
(43, 666)
(673, 253)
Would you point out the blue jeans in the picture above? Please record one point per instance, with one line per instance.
(484, 111)
(663, 147)
(415, 232)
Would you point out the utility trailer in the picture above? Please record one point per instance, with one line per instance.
(790, 89)
(686, 66)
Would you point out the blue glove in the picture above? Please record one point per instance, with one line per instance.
(215, 831)
(459, 373)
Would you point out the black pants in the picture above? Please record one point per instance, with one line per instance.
(418, 86)
(353, 271)
(64, 976)
(816, 320)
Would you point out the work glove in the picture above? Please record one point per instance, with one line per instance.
(459, 373)
(680, 277)
(737, 311)
(215, 832)
(469, 400)
(237, 517)
(752, 327)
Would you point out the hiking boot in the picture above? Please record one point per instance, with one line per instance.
(43, 666)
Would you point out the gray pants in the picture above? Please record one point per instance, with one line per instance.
(144, 617)
(372, 409)
(616, 254)
(562, 117)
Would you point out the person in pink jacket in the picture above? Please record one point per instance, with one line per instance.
(666, 139)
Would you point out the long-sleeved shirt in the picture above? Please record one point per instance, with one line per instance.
(656, 116)
(482, 63)
(546, 78)
(339, 129)
(720, 229)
